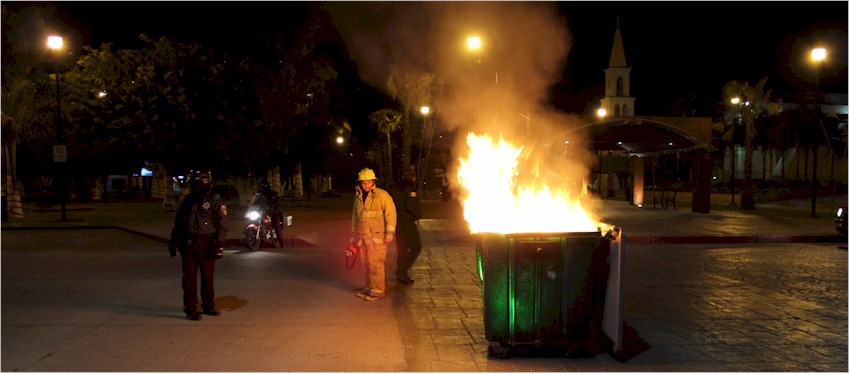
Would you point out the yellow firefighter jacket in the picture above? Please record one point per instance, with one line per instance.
(375, 215)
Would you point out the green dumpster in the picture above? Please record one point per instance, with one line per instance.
(545, 293)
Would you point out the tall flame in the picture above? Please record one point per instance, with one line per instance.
(497, 201)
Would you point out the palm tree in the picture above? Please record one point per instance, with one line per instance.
(24, 115)
(411, 90)
(388, 122)
(753, 104)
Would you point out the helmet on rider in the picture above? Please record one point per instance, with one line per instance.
(366, 175)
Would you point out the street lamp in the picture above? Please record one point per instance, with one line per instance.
(818, 55)
(474, 43)
(60, 153)
(601, 112)
(735, 101)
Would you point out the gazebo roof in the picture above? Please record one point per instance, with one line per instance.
(640, 137)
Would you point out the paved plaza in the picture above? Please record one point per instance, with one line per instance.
(723, 291)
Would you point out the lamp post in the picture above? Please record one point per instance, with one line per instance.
(60, 153)
(735, 101)
(474, 43)
(818, 55)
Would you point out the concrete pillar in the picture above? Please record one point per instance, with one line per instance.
(637, 179)
(702, 182)
(609, 183)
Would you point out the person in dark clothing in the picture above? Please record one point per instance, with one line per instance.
(274, 209)
(199, 233)
(408, 243)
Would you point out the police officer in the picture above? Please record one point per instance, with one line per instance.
(408, 243)
(373, 223)
(199, 233)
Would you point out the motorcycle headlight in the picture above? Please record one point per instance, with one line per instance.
(840, 212)
(252, 215)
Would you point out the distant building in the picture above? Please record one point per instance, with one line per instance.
(644, 156)
(667, 153)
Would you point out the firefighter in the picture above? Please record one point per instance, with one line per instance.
(199, 233)
(373, 225)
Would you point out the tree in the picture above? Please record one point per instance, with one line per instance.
(411, 91)
(388, 121)
(753, 104)
(297, 98)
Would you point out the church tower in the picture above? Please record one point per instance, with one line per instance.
(617, 101)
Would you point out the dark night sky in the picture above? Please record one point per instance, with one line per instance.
(674, 48)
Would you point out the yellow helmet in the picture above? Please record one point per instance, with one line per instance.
(366, 175)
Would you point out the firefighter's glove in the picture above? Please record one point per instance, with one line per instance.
(388, 238)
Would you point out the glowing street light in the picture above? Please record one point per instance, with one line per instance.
(55, 43)
(473, 42)
(818, 56)
(601, 112)
(425, 110)
(734, 101)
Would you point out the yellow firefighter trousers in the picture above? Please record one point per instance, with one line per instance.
(373, 257)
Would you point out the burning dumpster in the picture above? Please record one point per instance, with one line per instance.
(551, 293)
(550, 272)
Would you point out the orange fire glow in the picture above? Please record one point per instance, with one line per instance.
(500, 198)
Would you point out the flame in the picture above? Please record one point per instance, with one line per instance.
(498, 200)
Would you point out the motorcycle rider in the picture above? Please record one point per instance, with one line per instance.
(199, 233)
(274, 209)
(268, 202)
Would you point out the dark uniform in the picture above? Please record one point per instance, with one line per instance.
(408, 243)
(200, 229)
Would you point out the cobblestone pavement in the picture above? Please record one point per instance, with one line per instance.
(69, 304)
(695, 307)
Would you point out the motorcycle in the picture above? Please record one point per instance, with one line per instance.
(841, 220)
(260, 228)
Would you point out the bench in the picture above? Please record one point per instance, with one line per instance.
(658, 198)
(671, 199)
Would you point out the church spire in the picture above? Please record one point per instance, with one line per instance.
(618, 100)
(618, 56)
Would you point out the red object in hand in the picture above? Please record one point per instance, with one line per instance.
(351, 250)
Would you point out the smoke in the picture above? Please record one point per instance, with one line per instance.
(500, 88)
